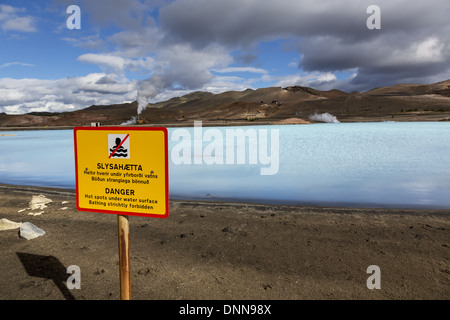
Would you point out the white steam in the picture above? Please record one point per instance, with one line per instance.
(131, 121)
(147, 89)
(324, 117)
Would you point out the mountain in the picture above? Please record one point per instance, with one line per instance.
(402, 102)
(407, 102)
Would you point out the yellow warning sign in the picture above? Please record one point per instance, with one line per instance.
(122, 170)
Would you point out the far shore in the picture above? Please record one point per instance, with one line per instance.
(224, 123)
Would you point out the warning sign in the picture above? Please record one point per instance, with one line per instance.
(122, 170)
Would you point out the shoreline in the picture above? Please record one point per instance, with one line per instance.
(218, 250)
(228, 123)
(249, 202)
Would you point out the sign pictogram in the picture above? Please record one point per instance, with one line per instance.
(118, 146)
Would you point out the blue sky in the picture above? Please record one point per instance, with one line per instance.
(158, 49)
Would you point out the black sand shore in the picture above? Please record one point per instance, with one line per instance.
(209, 250)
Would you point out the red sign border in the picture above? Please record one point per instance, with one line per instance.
(166, 152)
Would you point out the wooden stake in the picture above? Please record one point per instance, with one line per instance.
(124, 257)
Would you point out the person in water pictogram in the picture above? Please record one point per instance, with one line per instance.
(121, 151)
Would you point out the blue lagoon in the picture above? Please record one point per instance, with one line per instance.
(386, 164)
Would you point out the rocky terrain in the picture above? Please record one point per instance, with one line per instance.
(295, 104)
(223, 251)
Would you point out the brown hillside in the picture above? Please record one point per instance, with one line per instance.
(403, 102)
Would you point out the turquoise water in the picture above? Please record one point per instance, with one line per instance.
(389, 164)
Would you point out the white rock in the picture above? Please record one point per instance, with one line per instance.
(35, 213)
(39, 202)
(30, 231)
(6, 224)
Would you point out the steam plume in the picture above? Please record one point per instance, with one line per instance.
(324, 117)
(147, 89)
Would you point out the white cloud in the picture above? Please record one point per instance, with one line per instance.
(10, 20)
(318, 80)
(218, 86)
(28, 95)
(92, 42)
(9, 64)
(430, 50)
(137, 44)
(103, 60)
(23, 24)
(115, 63)
(241, 69)
(182, 65)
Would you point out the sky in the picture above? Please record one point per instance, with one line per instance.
(153, 50)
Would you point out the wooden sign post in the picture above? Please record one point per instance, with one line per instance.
(124, 257)
(124, 171)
